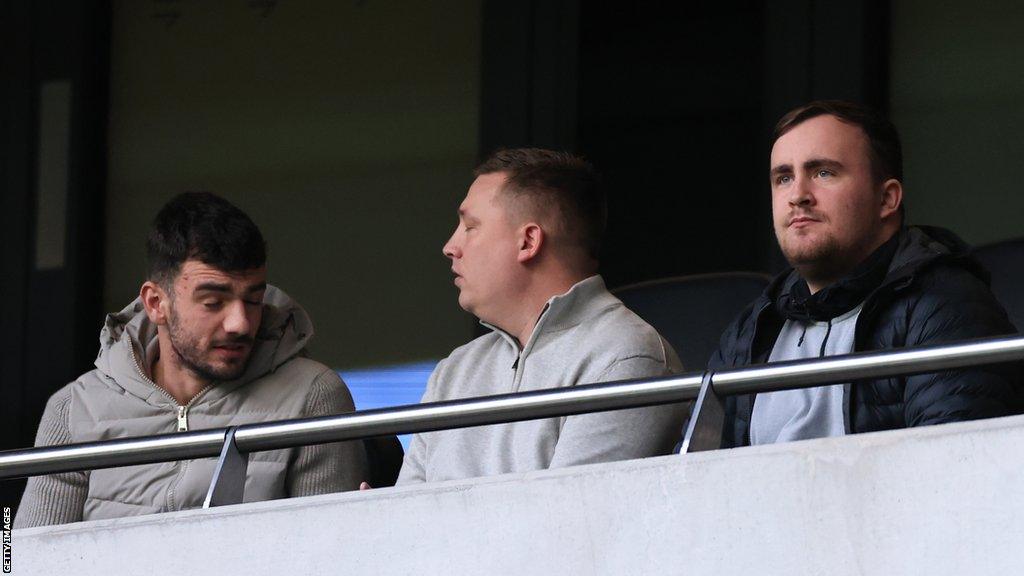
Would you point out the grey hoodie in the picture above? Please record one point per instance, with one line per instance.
(118, 399)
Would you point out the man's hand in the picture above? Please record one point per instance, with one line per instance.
(365, 486)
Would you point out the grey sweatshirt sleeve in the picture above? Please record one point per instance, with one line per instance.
(622, 434)
(413, 465)
(56, 498)
(334, 467)
(413, 471)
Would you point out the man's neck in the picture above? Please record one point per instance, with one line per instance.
(180, 382)
(816, 285)
(533, 302)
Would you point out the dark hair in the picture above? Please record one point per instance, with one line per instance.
(205, 227)
(561, 179)
(883, 139)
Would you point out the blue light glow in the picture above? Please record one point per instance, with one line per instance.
(387, 386)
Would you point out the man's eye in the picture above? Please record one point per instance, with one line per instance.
(212, 304)
(823, 173)
(254, 302)
(783, 179)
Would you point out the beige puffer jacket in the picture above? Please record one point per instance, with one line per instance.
(118, 399)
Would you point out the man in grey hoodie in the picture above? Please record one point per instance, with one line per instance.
(207, 344)
(525, 259)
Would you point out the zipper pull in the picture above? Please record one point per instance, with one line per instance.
(182, 419)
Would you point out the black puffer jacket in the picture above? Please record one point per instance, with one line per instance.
(933, 292)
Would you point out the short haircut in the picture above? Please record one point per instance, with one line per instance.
(205, 227)
(565, 181)
(883, 139)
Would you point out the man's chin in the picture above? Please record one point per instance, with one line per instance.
(804, 259)
(233, 371)
(806, 251)
(222, 372)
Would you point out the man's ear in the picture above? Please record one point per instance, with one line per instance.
(892, 197)
(530, 237)
(156, 302)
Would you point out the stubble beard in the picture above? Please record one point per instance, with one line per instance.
(818, 261)
(190, 354)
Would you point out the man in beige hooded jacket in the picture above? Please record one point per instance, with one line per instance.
(207, 344)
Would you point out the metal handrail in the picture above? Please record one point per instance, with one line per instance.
(352, 426)
(508, 408)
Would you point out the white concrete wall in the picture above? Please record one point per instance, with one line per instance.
(940, 500)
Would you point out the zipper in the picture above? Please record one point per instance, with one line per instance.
(147, 379)
(183, 410)
(182, 415)
(182, 418)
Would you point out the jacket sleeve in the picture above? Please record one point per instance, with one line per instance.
(413, 471)
(735, 337)
(622, 434)
(732, 351)
(56, 498)
(326, 468)
(726, 343)
(414, 468)
(958, 306)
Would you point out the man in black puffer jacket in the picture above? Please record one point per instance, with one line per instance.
(860, 281)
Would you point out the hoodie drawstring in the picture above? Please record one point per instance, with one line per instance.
(802, 334)
(821, 353)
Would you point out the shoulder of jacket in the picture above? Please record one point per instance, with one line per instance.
(292, 390)
(616, 333)
(944, 271)
(479, 345)
(288, 387)
(299, 372)
(748, 316)
(91, 383)
(62, 397)
(941, 282)
(617, 322)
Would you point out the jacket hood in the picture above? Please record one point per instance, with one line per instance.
(128, 342)
(922, 246)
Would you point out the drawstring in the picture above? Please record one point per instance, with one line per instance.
(825, 340)
(828, 331)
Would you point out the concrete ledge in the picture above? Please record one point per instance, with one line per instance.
(938, 500)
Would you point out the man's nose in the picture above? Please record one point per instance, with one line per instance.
(801, 193)
(236, 321)
(451, 248)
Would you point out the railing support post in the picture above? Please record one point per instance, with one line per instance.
(228, 484)
(704, 431)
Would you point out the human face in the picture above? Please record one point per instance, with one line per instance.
(213, 317)
(483, 251)
(826, 206)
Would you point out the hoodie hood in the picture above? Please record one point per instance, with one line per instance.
(128, 343)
